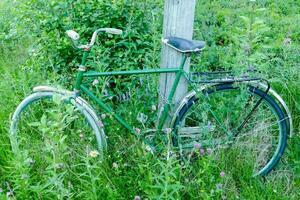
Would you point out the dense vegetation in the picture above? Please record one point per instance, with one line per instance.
(239, 34)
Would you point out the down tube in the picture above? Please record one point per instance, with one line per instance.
(106, 108)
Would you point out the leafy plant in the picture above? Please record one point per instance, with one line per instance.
(34, 48)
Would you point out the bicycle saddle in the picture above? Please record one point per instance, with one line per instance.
(184, 45)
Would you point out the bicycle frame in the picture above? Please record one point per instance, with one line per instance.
(179, 72)
(80, 87)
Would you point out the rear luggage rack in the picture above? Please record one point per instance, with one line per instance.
(219, 77)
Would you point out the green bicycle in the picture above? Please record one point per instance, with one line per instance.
(221, 111)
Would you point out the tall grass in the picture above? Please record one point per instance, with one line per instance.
(130, 169)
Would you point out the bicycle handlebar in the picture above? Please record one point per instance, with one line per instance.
(75, 36)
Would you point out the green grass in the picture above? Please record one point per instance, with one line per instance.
(129, 169)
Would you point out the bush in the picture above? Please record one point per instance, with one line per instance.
(48, 20)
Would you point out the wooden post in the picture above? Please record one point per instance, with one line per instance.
(178, 21)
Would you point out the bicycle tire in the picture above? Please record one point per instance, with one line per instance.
(79, 108)
(268, 164)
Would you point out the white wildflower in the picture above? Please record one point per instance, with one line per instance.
(148, 148)
(153, 108)
(168, 130)
(93, 154)
(137, 131)
(95, 82)
(115, 165)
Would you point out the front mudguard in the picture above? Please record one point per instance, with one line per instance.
(82, 104)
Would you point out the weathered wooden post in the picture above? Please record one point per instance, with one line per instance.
(178, 21)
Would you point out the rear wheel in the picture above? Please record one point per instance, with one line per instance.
(217, 119)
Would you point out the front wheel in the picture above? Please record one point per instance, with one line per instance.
(226, 120)
(54, 125)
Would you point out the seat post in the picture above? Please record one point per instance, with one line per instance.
(183, 60)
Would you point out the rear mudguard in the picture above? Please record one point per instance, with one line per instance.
(262, 86)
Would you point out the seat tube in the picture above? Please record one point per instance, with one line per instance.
(81, 70)
(177, 78)
(167, 106)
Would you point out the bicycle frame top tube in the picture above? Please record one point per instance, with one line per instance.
(79, 87)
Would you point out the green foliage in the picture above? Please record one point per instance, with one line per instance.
(240, 34)
(48, 21)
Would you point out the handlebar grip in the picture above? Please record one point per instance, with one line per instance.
(113, 31)
(73, 34)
